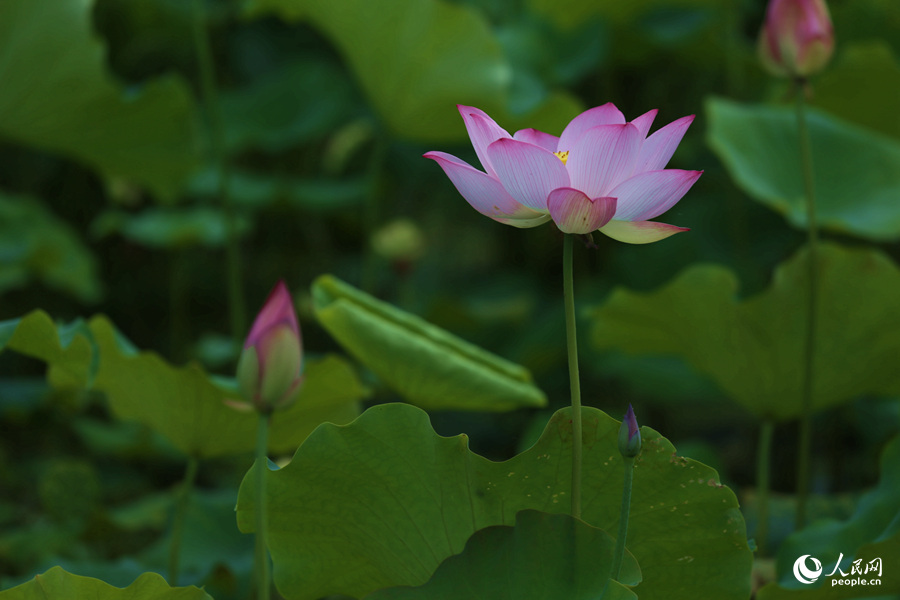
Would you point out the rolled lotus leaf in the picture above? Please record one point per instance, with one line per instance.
(425, 364)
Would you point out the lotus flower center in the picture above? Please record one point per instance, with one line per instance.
(562, 155)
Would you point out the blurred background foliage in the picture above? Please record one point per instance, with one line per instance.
(113, 168)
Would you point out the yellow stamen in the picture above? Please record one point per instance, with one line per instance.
(563, 155)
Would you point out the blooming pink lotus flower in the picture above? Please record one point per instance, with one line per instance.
(269, 368)
(797, 39)
(602, 174)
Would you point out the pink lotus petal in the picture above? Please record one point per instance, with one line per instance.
(607, 114)
(524, 223)
(538, 138)
(573, 212)
(650, 194)
(659, 147)
(483, 192)
(528, 172)
(602, 157)
(644, 122)
(482, 131)
(278, 310)
(639, 232)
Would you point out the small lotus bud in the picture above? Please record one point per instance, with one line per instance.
(268, 371)
(797, 39)
(629, 435)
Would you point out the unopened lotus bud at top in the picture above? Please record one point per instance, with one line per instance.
(629, 435)
(268, 372)
(797, 39)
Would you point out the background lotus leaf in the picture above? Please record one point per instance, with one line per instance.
(58, 584)
(872, 532)
(862, 87)
(760, 147)
(753, 348)
(184, 404)
(57, 95)
(35, 243)
(418, 48)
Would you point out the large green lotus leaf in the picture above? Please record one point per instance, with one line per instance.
(58, 584)
(184, 404)
(856, 172)
(754, 348)
(543, 557)
(862, 87)
(872, 532)
(425, 364)
(418, 59)
(35, 243)
(382, 502)
(57, 95)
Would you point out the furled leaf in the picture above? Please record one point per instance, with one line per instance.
(184, 404)
(57, 95)
(384, 501)
(856, 172)
(432, 55)
(34, 243)
(754, 348)
(425, 364)
(543, 557)
(58, 584)
(873, 532)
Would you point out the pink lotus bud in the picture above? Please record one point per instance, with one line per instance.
(797, 39)
(268, 372)
(629, 435)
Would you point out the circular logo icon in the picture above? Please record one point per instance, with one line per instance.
(803, 573)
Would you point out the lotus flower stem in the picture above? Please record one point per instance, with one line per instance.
(619, 552)
(262, 466)
(202, 47)
(763, 459)
(574, 383)
(805, 441)
(184, 493)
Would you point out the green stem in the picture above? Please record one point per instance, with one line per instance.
(619, 553)
(805, 442)
(763, 459)
(217, 151)
(262, 465)
(574, 382)
(187, 485)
